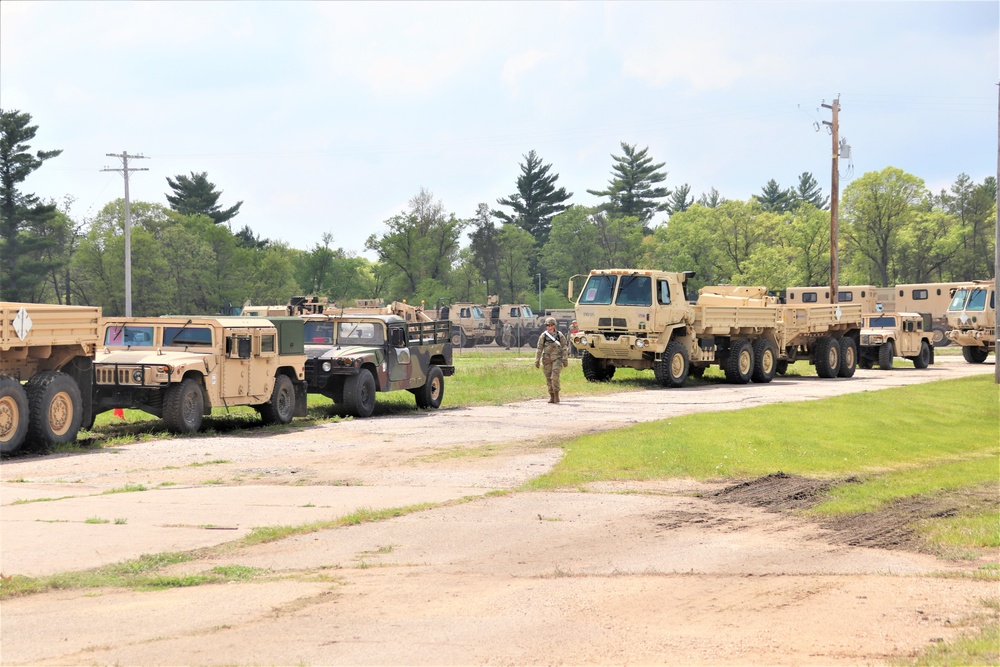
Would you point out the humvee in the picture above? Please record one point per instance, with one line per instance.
(351, 357)
(887, 335)
(179, 368)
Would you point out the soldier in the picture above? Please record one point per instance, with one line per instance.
(553, 354)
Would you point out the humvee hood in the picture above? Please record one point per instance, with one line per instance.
(334, 351)
(149, 356)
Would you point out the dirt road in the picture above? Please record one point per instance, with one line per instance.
(662, 572)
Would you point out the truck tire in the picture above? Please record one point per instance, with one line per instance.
(281, 408)
(848, 357)
(739, 363)
(765, 361)
(456, 339)
(13, 415)
(975, 355)
(595, 370)
(55, 408)
(530, 340)
(885, 355)
(939, 336)
(183, 406)
(430, 395)
(923, 360)
(359, 394)
(671, 370)
(827, 355)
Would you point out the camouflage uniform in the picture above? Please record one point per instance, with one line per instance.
(553, 353)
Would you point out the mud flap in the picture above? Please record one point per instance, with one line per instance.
(300, 398)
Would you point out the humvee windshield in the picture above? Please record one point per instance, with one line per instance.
(129, 335)
(319, 333)
(889, 322)
(360, 333)
(185, 336)
(598, 290)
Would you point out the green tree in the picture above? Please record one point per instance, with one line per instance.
(809, 192)
(421, 243)
(741, 227)
(484, 249)
(774, 199)
(25, 248)
(619, 239)
(515, 261)
(632, 190)
(974, 206)
(808, 234)
(686, 243)
(876, 207)
(536, 201)
(711, 199)
(680, 200)
(196, 195)
(573, 247)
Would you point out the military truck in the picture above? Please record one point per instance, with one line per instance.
(46, 372)
(887, 335)
(351, 357)
(643, 320)
(513, 324)
(297, 305)
(179, 368)
(468, 323)
(972, 315)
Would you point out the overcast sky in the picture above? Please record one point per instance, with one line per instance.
(330, 116)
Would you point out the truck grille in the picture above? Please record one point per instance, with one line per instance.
(612, 323)
(128, 375)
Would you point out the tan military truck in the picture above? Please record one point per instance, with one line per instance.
(884, 336)
(468, 324)
(46, 372)
(513, 324)
(179, 368)
(643, 320)
(972, 315)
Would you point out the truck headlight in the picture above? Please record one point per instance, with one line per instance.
(137, 376)
(640, 343)
(327, 366)
(581, 340)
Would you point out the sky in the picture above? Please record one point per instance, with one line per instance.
(329, 117)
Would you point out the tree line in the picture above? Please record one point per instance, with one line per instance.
(892, 229)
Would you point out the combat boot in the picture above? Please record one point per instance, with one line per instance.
(552, 398)
(555, 397)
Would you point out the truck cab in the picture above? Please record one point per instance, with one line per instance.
(972, 314)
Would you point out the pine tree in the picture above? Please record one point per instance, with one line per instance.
(536, 201)
(711, 199)
(679, 200)
(197, 196)
(809, 192)
(631, 190)
(773, 199)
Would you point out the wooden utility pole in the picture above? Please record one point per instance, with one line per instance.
(124, 156)
(996, 250)
(834, 125)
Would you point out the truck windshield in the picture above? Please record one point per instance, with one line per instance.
(977, 300)
(477, 313)
(598, 290)
(634, 291)
(958, 300)
(360, 333)
(319, 333)
(184, 336)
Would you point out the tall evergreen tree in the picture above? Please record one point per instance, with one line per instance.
(536, 201)
(196, 195)
(632, 190)
(711, 199)
(23, 218)
(680, 200)
(774, 199)
(809, 192)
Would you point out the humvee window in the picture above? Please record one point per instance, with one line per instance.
(527, 311)
(882, 322)
(138, 336)
(267, 343)
(354, 333)
(320, 333)
(598, 290)
(635, 291)
(183, 336)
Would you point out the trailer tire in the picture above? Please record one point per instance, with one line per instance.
(359, 394)
(281, 407)
(765, 361)
(885, 355)
(923, 360)
(975, 355)
(848, 357)
(430, 395)
(183, 406)
(594, 370)
(739, 363)
(827, 355)
(671, 370)
(55, 408)
(13, 415)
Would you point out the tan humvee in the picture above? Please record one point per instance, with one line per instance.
(179, 368)
(887, 335)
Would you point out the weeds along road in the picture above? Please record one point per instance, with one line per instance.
(622, 573)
